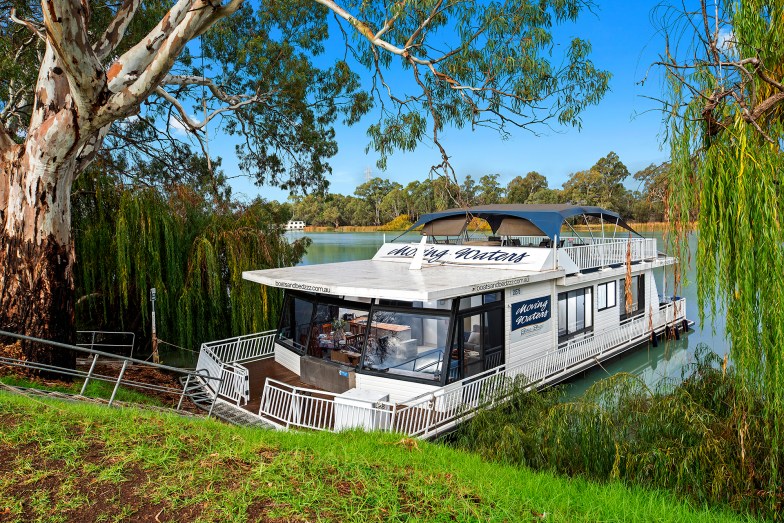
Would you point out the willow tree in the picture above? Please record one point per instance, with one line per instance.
(130, 238)
(725, 73)
(102, 63)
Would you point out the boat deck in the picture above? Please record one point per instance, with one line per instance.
(259, 371)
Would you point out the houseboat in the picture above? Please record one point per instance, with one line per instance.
(426, 333)
(294, 225)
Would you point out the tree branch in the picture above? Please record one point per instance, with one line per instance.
(28, 24)
(217, 92)
(127, 68)
(5, 139)
(367, 32)
(146, 67)
(66, 27)
(195, 125)
(114, 33)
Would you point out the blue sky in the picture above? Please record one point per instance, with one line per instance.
(624, 42)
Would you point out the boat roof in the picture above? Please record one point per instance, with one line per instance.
(394, 280)
(514, 219)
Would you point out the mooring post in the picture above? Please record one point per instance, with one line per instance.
(155, 357)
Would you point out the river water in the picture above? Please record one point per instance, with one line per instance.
(652, 364)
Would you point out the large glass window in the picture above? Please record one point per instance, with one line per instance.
(323, 327)
(575, 313)
(295, 322)
(478, 300)
(637, 305)
(408, 344)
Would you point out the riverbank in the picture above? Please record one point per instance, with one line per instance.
(72, 462)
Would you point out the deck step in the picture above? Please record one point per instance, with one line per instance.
(235, 415)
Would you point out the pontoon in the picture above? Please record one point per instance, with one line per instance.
(423, 335)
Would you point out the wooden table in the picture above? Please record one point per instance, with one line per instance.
(394, 329)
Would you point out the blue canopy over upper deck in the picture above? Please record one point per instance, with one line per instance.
(515, 219)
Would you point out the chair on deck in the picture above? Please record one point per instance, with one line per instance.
(358, 340)
(314, 349)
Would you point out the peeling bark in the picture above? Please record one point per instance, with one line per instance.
(36, 260)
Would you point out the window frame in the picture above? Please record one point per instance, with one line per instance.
(599, 308)
(449, 314)
(640, 297)
(586, 307)
(315, 300)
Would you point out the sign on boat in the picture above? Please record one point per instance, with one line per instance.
(423, 335)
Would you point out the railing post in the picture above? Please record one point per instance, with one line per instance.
(119, 379)
(89, 375)
(212, 405)
(184, 388)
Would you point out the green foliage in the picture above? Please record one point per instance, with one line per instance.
(725, 135)
(509, 43)
(145, 466)
(705, 439)
(520, 189)
(400, 223)
(129, 240)
(601, 185)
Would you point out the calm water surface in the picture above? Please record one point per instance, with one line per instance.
(651, 363)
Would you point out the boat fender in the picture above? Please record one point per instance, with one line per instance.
(654, 339)
(685, 325)
(677, 333)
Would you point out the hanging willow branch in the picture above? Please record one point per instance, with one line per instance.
(725, 130)
(131, 240)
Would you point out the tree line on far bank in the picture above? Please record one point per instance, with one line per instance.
(380, 200)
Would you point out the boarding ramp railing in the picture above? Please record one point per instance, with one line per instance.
(224, 358)
(434, 413)
(187, 377)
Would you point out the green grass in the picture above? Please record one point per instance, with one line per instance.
(95, 389)
(72, 462)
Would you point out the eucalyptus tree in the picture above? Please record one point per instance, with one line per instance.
(725, 75)
(520, 189)
(489, 191)
(600, 185)
(81, 73)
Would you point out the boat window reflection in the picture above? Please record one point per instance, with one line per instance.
(407, 344)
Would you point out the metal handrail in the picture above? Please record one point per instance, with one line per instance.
(92, 344)
(91, 374)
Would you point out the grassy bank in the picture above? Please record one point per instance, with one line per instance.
(73, 462)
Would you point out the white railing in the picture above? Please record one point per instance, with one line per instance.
(235, 383)
(220, 359)
(602, 254)
(210, 364)
(432, 413)
(243, 348)
(289, 406)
